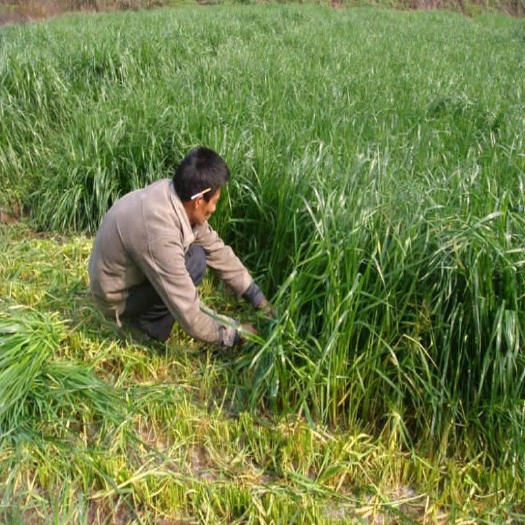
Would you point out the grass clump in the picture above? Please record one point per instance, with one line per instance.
(37, 389)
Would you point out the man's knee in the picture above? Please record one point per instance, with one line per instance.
(195, 260)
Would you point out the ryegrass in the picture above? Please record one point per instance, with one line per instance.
(377, 195)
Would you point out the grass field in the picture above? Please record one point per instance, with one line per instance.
(378, 168)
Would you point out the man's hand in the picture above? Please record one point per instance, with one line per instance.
(244, 329)
(266, 308)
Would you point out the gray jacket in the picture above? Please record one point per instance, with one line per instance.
(145, 235)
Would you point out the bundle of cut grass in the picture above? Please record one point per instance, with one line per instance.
(40, 393)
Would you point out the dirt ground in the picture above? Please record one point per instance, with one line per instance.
(10, 17)
(31, 11)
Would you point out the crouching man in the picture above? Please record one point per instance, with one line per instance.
(153, 248)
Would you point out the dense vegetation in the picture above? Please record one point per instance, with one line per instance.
(377, 195)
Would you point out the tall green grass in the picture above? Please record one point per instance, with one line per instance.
(377, 192)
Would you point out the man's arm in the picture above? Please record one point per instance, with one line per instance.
(228, 266)
(164, 266)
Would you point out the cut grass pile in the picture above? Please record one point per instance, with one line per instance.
(377, 194)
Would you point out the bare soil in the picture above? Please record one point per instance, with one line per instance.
(12, 17)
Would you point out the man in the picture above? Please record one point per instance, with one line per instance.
(152, 250)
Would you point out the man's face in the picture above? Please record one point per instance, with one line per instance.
(204, 209)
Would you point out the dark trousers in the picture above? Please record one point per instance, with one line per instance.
(144, 308)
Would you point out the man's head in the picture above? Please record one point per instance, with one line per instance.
(198, 181)
(201, 173)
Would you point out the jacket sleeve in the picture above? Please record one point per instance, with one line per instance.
(164, 266)
(223, 260)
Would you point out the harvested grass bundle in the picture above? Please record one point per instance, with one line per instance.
(40, 393)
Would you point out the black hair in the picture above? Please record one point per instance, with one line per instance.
(200, 169)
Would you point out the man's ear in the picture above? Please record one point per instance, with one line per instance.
(197, 203)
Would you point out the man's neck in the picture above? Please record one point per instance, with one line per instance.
(188, 208)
